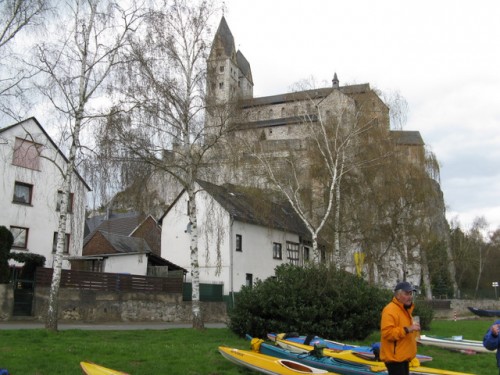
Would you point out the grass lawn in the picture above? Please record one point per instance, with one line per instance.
(185, 351)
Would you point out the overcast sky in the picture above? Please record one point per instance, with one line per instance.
(442, 56)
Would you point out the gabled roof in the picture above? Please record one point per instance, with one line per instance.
(256, 206)
(126, 245)
(51, 142)
(122, 224)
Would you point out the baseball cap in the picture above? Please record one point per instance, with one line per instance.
(406, 286)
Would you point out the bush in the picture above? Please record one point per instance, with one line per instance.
(6, 241)
(309, 300)
(424, 310)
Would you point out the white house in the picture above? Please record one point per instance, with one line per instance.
(243, 235)
(30, 186)
(124, 243)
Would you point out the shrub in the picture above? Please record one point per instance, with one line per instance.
(309, 300)
(6, 241)
(31, 262)
(424, 310)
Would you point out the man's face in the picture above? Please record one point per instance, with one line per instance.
(406, 298)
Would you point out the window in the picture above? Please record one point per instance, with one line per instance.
(221, 85)
(306, 254)
(59, 200)
(239, 243)
(277, 250)
(20, 237)
(27, 154)
(22, 193)
(66, 243)
(249, 280)
(221, 68)
(293, 252)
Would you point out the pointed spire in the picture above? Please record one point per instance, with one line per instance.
(335, 81)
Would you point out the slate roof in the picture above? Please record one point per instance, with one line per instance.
(225, 36)
(124, 244)
(407, 137)
(244, 66)
(319, 93)
(123, 224)
(256, 206)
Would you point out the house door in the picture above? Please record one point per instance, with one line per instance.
(23, 296)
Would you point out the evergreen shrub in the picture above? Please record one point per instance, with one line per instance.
(313, 299)
(6, 241)
(424, 310)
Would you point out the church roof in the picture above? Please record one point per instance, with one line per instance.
(225, 37)
(244, 66)
(407, 137)
(303, 95)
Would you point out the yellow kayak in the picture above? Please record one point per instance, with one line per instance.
(352, 356)
(266, 364)
(90, 368)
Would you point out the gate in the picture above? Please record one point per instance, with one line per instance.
(23, 296)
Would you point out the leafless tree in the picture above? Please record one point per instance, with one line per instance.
(310, 180)
(16, 18)
(75, 65)
(166, 105)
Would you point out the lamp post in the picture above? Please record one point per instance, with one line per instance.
(494, 284)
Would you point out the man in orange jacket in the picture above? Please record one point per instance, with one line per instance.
(398, 332)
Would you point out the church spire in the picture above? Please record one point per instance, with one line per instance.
(335, 81)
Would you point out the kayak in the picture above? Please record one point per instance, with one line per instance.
(354, 357)
(318, 361)
(266, 364)
(90, 368)
(364, 351)
(484, 313)
(454, 343)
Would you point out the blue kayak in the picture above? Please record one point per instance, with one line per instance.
(325, 363)
(369, 352)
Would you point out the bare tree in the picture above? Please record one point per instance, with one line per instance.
(16, 17)
(167, 105)
(76, 67)
(310, 179)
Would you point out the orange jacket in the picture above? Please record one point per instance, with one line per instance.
(395, 344)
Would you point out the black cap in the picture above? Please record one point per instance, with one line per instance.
(405, 285)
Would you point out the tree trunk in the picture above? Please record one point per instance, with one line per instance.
(195, 269)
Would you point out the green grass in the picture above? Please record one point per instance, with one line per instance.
(480, 364)
(185, 351)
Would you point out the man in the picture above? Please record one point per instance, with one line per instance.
(398, 332)
(491, 341)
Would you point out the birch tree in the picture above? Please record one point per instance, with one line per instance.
(166, 106)
(76, 65)
(17, 17)
(310, 180)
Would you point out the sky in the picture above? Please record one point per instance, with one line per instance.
(442, 56)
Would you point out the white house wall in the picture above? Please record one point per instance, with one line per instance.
(41, 216)
(256, 257)
(133, 264)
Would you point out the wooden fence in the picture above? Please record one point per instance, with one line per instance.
(110, 281)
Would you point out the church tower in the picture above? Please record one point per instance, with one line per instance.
(229, 73)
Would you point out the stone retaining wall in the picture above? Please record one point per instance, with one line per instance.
(98, 306)
(6, 301)
(459, 309)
